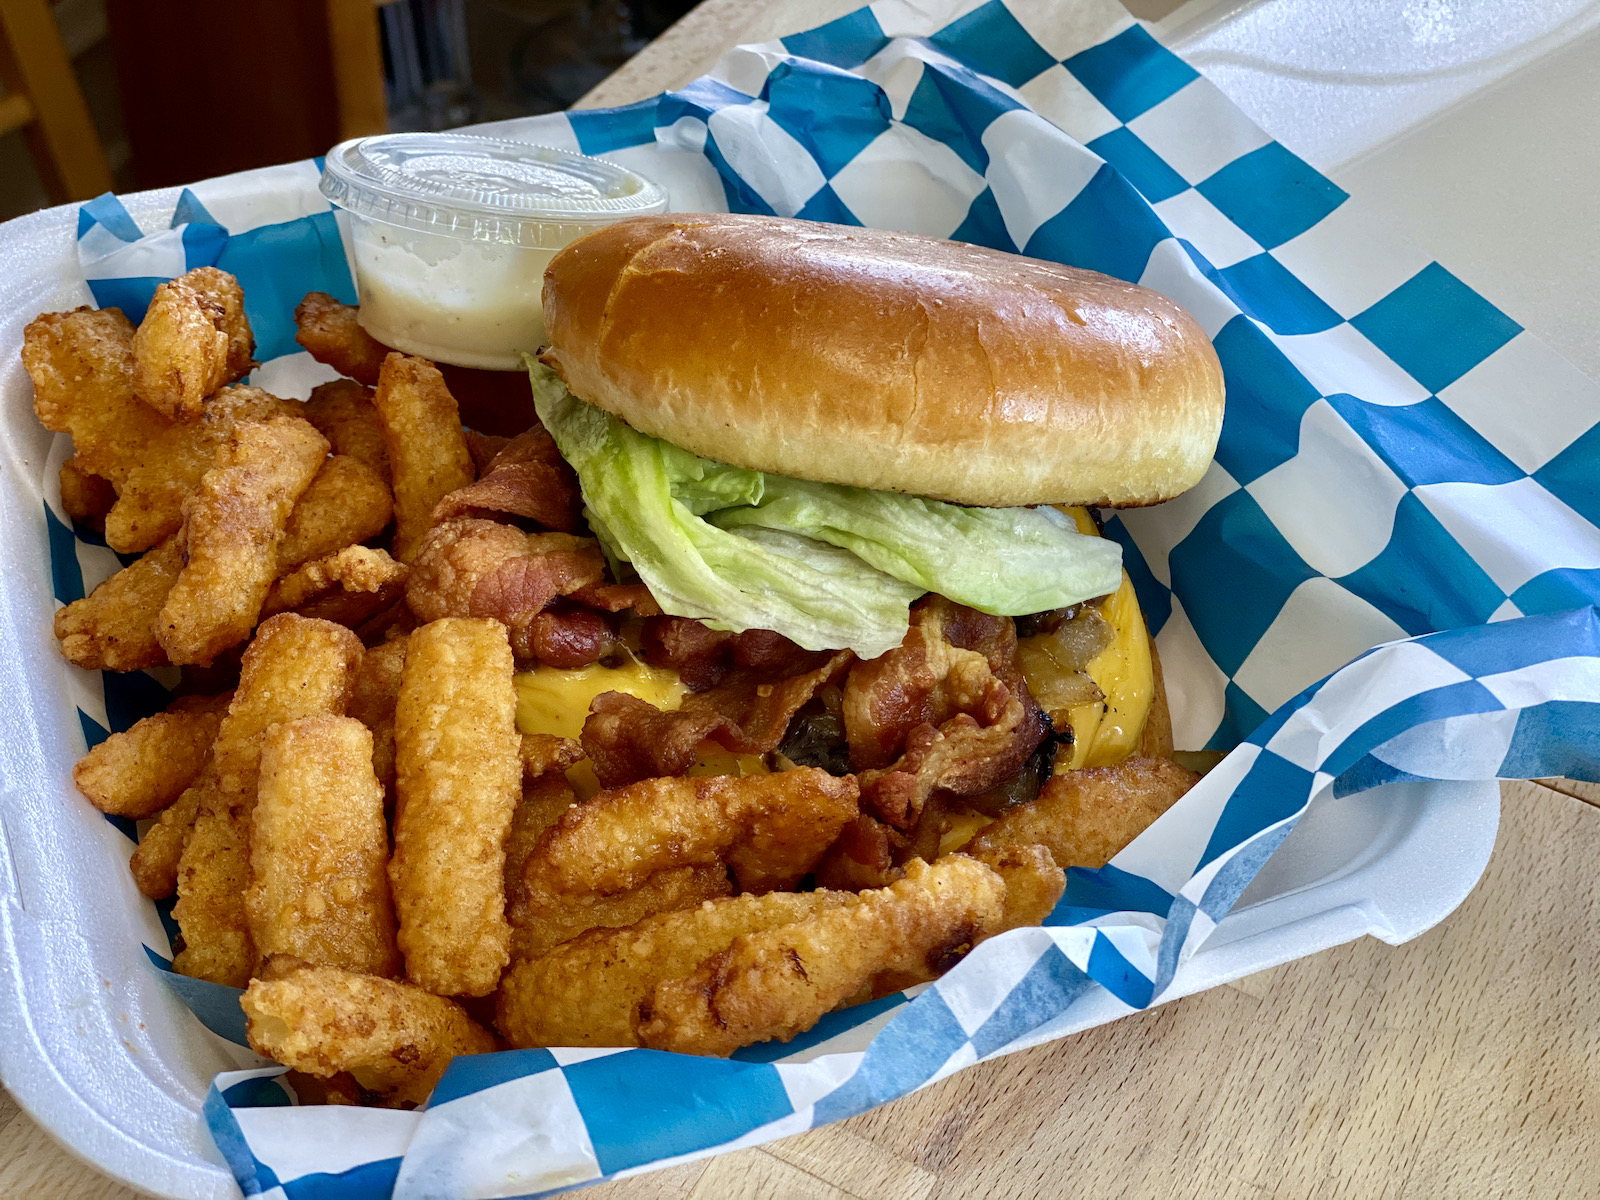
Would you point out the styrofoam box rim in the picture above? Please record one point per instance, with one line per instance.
(102, 1055)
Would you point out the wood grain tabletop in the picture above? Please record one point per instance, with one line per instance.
(1464, 1063)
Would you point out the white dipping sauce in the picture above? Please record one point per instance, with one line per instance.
(452, 235)
(473, 304)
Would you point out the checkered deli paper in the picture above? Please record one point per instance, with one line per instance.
(1401, 467)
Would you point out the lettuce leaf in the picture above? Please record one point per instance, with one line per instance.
(827, 566)
(998, 560)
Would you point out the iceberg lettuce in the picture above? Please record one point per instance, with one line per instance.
(825, 565)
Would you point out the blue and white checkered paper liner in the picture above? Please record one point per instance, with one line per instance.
(1398, 458)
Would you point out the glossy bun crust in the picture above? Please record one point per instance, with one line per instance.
(886, 360)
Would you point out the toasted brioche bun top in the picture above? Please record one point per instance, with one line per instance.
(885, 360)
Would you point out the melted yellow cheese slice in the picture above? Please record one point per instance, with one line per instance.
(553, 701)
(1107, 731)
(557, 702)
(550, 700)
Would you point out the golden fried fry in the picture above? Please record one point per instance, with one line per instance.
(544, 752)
(428, 455)
(1084, 817)
(235, 522)
(458, 774)
(540, 922)
(194, 338)
(372, 701)
(86, 498)
(159, 853)
(546, 794)
(1033, 885)
(318, 849)
(780, 982)
(394, 1038)
(585, 992)
(333, 335)
(770, 829)
(138, 773)
(113, 628)
(294, 668)
(347, 587)
(81, 364)
(342, 412)
(345, 504)
(150, 500)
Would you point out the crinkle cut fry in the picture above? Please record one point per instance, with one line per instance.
(1084, 817)
(342, 412)
(458, 773)
(139, 772)
(113, 628)
(151, 499)
(194, 338)
(332, 334)
(394, 1038)
(780, 982)
(235, 524)
(585, 991)
(769, 829)
(345, 503)
(81, 364)
(319, 849)
(428, 457)
(294, 668)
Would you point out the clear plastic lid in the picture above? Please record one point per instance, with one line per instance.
(482, 189)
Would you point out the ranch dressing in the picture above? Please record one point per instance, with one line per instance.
(451, 236)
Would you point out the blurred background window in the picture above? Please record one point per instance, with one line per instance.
(171, 91)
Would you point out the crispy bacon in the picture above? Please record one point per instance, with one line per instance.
(618, 597)
(567, 639)
(696, 651)
(551, 565)
(628, 739)
(949, 660)
(947, 710)
(527, 478)
(760, 705)
(483, 447)
(468, 567)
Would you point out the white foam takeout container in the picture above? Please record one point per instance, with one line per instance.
(105, 1057)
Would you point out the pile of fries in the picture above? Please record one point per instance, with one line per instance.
(356, 831)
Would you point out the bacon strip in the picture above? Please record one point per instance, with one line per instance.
(948, 710)
(468, 567)
(628, 739)
(527, 478)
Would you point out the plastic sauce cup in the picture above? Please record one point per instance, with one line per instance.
(452, 235)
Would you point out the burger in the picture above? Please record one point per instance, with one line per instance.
(809, 429)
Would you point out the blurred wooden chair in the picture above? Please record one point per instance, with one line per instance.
(357, 52)
(42, 98)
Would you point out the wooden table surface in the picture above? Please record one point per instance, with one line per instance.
(1464, 1063)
